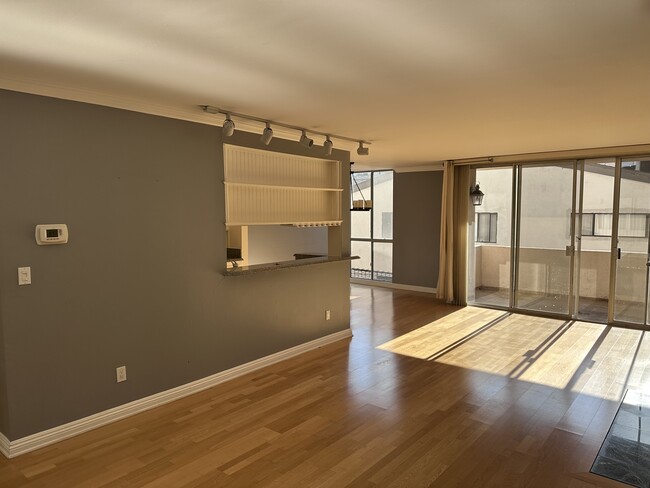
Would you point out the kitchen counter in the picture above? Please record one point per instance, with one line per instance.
(261, 268)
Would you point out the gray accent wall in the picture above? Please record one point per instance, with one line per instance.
(140, 282)
(417, 200)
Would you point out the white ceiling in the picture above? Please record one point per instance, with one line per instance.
(425, 80)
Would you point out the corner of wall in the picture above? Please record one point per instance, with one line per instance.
(4, 404)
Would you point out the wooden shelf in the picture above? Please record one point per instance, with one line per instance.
(265, 187)
(257, 185)
(330, 223)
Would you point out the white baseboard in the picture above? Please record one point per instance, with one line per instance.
(41, 439)
(398, 286)
(4, 445)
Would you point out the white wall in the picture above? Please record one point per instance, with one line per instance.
(273, 243)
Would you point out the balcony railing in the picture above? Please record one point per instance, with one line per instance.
(366, 274)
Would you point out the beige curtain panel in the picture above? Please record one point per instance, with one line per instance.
(452, 277)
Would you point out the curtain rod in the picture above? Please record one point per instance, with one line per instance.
(460, 162)
(588, 153)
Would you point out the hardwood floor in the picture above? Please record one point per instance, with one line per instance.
(424, 394)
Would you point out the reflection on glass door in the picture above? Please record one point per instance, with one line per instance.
(633, 252)
(594, 238)
(544, 240)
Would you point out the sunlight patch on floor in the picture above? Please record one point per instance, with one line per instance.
(578, 356)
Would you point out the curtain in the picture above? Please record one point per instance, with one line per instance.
(452, 275)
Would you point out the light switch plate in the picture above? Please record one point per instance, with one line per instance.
(25, 275)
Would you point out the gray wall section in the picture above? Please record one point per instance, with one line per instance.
(139, 283)
(417, 199)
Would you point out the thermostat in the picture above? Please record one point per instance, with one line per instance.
(51, 234)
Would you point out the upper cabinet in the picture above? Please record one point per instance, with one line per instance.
(265, 187)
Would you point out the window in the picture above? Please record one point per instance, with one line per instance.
(629, 225)
(588, 224)
(387, 225)
(372, 231)
(486, 227)
(603, 225)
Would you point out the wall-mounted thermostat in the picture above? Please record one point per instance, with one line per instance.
(51, 234)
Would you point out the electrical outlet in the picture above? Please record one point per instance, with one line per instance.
(328, 315)
(121, 374)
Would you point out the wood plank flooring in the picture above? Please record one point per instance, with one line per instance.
(425, 394)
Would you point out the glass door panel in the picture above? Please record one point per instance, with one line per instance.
(489, 239)
(546, 206)
(633, 242)
(594, 239)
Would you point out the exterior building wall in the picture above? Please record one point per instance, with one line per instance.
(546, 231)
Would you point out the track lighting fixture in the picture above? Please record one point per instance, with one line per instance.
(327, 145)
(228, 127)
(306, 141)
(267, 135)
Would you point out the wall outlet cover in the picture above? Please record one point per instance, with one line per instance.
(121, 374)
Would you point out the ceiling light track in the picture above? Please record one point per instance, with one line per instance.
(229, 129)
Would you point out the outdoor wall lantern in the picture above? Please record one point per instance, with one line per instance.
(476, 195)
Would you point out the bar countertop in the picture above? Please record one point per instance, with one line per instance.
(260, 268)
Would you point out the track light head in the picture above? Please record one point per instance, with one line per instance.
(306, 141)
(267, 135)
(228, 127)
(362, 151)
(328, 146)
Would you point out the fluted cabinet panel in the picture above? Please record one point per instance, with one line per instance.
(264, 187)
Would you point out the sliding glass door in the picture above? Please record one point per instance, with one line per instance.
(490, 239)
(544, 243)
(570, 239)
(594, 238)
(633, 250)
